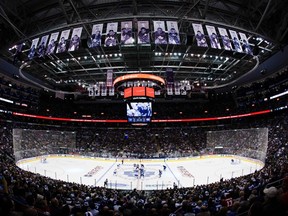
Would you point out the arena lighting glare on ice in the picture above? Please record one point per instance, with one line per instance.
(153, 120)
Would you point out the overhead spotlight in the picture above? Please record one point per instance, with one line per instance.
(85, 57)
(120, 54)
(98, 56)
(115, 55)
(110, 55)
(204, 56)
(179, 54)
(79, 58)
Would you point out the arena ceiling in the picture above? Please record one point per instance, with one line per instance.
(263, 21)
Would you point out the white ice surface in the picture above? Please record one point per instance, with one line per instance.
(184, 172)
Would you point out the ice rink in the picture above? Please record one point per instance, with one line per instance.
(184, 172)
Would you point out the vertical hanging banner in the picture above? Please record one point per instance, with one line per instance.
(75, 39)
(169, 76)
(235, 41)
(52, 43)
(199, 35)
(245, 44)
(103, 88)
(173, 32)
(32, 50)
(96, 35)
(169, 89)
(111, 91)
(109, 79)
(111, 34)
(97, 89)
(62, 44)
(90, 90)
(177, 87)
(42, 46)
(225, 39)
(214, 39)
(126, 33)
(159, 32)
(143, 32)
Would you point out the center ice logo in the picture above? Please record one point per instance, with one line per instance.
(132, 174)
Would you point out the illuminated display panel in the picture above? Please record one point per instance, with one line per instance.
(125, 121)
(127, 92)
(138, 91)
(139, 111)
(150, 92)
(130, 77)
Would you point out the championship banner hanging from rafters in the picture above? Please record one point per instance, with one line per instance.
(33, 47)
(52, 43)
(75, 39)
(42, 46)
(177, 87)
(126, 33)
(199, 35)
(225, 38)
(169, 76)
(214, 39)
(103, 88)
(96, 35)
(111, 34)
(245, 44)
(62, 44)
(159, 32)
(173, 32)
(235, 41)
(169, 89)
(109, 79)
(143, 32)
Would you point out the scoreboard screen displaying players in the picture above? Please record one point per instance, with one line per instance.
(139, 111)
